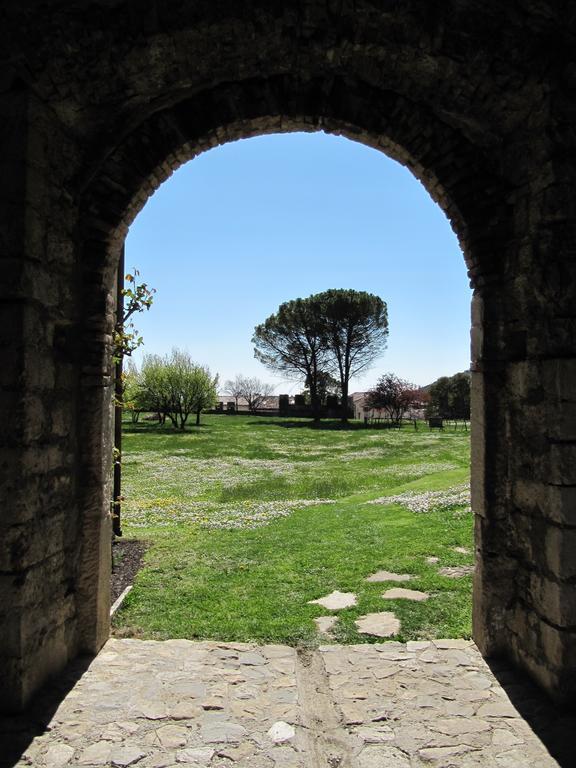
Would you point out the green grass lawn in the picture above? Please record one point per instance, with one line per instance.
(249, 518)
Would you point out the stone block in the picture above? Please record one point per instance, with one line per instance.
(21, 546)
(518, 621)
(46, 582)
(45, 459)
(558, 647)
(560, 552)
(527, 532)
(62, 417)
(493, 591)
(49, 658)
(547, 654)
(559, 379)
(476, 344)
(477, 310)
(27, 662)
(37, 422)
(523, 381)
(563, 463)
(554, 601)
(559, 337)
(560, 505)
(38, 625)
(93, 583)
(561, 422)
(529, 495)
(40, 372)
(36, 495)
(545, 676)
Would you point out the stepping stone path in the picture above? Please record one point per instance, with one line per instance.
(453, 571)
(388, 576)
(456, 571)
(335, 601)
(325, 623)
(405, 594)
(383, 624)
(383, 705)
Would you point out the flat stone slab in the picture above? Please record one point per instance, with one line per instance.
(388, 576)
(462, 550)
(325, 623)
(383, 624)
(336, 600)
(59, 755)
(397, 593)
(456, 571)
(281, 732)
(388, 704)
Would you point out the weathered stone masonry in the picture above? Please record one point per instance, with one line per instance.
(100, 101)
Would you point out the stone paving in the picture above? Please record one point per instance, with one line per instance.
(399, 593)
(181, 703)
(336, 600)
(388, 576)
(381, 624)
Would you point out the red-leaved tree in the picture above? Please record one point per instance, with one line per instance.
(393, 395)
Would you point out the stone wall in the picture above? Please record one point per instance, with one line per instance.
(43, 517)
(101, 101)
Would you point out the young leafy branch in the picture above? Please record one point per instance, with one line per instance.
(137, 298)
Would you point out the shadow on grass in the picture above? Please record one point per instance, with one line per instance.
(154, 429)
(326, 424)
(18, 731)
(554, 725)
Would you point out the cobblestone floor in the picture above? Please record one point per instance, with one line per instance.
(177, 703)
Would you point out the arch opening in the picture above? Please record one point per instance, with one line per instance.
(268, 282)
(446, 164)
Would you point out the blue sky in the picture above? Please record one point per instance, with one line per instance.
(246, 226)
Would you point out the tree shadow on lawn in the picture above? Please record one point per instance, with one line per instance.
(158, 430)
(327, 424)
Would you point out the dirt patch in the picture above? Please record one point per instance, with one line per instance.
(127, 555)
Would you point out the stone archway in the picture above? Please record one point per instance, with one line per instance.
(464, 96)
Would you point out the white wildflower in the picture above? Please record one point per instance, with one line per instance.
(428, 501)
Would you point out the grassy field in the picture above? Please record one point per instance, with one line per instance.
(249, 518)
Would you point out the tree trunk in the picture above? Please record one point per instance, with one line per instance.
(344, 411)
(198, 417)
(315, 403)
